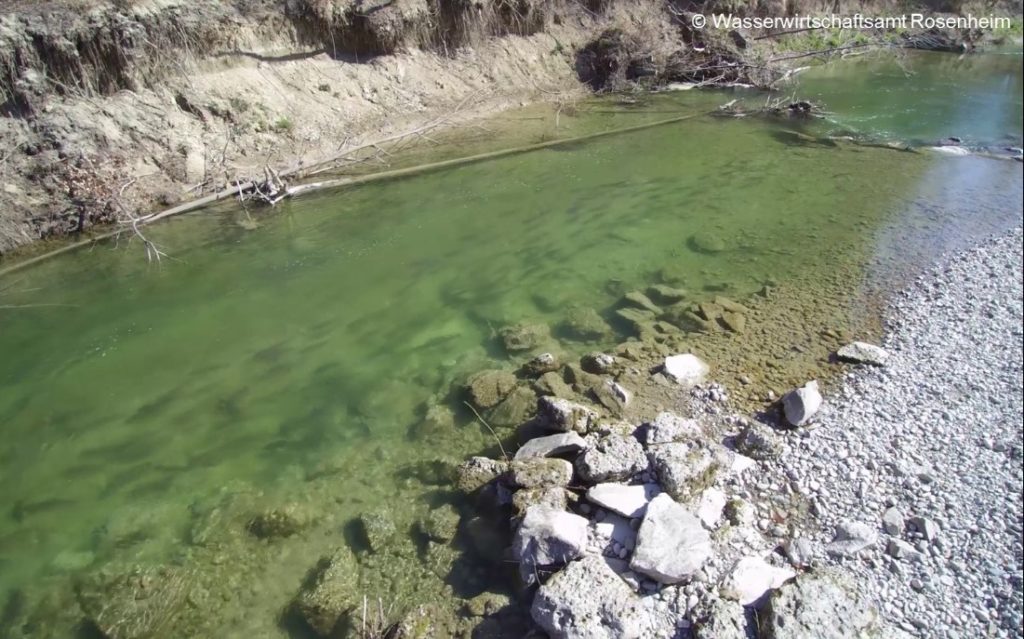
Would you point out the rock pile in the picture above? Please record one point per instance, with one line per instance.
(641, 529)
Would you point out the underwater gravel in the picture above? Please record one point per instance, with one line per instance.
(936, 434)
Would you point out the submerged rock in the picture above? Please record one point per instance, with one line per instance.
(330, 594)
(475, 472)
(686, 369)
(441, 523)
(486, 604)
(539, 365)
(135, 604)
(379, 528)
(278, 523)
(487, 388)
(863, 353)
(636, 299)
(552, 384)
(801, 405)
(547, 537)
(672, 544)
(524, 336)
(519, 406)
(636, 318)
(586, 325)
(665, 294)
(438, 421)
(707, 242)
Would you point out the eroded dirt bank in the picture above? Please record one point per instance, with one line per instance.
(116, 108)
(110, 110)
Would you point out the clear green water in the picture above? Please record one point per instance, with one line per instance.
(293, 363)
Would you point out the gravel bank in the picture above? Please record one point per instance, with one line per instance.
(935, 434)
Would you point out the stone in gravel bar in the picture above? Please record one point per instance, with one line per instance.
(892, 521)
(534, 472)
(851, 537)
(759, 441)
(686, 369)
(671, 544)
(554, 497)
(612, 458)
(550, 445)
(588, 600)
(801, 404)
(710, 506)
(723, 619)
(547, 537)
(799, 552)
(668, 427)
(597, 363)
(488, 388)
(752, 578)
(730, 305)
(863, 353)
(612, 395)
(561, 414)
(925, 526)
(820, 605)
(477, 471)
(543, 363)
(683, 469)
(735, 322)
(629, 501)
(899, 549)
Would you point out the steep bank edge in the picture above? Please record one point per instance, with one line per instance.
(99, 122)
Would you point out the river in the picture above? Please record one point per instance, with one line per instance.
(287, 359)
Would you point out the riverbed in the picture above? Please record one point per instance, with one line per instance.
(309, 358)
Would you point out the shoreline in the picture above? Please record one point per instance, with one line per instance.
(793, 565)
(103, 143)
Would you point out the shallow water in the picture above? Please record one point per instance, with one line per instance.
(293, 362)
